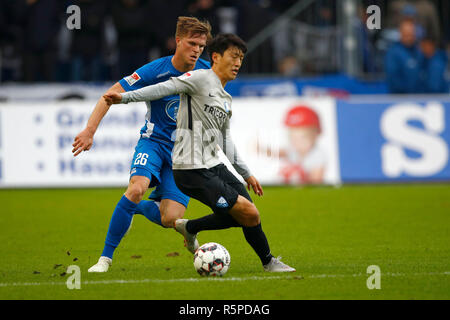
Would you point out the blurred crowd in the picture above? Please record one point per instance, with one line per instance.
(118, 36)
(115, 38)
(417, 62)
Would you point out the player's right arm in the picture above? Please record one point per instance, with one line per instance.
(148, 93)
(186, 83)
(83, 141)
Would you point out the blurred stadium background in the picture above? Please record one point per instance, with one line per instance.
(331, 99)
(320, 100)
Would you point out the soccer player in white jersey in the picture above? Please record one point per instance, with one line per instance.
(203, 123)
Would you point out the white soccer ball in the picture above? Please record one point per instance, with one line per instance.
(211, 259)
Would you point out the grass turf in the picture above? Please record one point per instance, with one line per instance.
(331, 235)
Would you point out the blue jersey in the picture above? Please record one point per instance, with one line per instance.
(160, 120)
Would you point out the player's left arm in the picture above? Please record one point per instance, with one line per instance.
(254, 184)
(238, 163)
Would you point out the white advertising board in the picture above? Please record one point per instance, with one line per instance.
(36, 143)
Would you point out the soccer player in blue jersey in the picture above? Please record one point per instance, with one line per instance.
(151, 165)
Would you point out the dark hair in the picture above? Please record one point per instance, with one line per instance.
(222, 42)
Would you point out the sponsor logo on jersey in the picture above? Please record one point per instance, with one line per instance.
(132, 79)
(222, 203)
(215, 111)
(163, 74)
(172, 109)
(184, 76)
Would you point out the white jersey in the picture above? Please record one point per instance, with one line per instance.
(203, 120)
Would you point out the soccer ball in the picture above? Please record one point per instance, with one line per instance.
(211, 259)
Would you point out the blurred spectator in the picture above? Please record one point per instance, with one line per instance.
(205, 10)
(325, 17)
(134, 33)
(87, 42)
(423, 11)
(11, 36)
(41, 23)
(117, 36)
(434, 67)
(253, 17)
(162, 21)
(289, 67)
(403, 61)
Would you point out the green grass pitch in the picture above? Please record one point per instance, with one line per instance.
(331, 235)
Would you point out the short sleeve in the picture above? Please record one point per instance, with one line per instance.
(142, 77)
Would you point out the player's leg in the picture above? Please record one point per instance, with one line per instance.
(171, 211)
(167, 203)
(144, 173)
(254, 234)
(199, 184)
(150, 210)
(207, 186)
(245, 212)
(219, 221)
(219, 196)
(123, 213)
(173, 201)
(209, 222)
(121, 220)
(148, 161)
(173, 206)
(221, 184)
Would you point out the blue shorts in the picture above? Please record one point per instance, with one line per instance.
(153, 159)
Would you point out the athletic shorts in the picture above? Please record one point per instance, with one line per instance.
(153, 159)
(216, 187)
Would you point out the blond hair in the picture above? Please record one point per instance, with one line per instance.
(190, 26)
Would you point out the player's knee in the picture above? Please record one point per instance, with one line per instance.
(252, 215)
(245, 212)
(170, 213)
(169, 221)
(168, 218)
(135, 192)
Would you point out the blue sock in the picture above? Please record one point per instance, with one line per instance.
(150, 210)
(120, 222)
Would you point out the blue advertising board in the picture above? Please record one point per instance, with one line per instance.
(393, 139)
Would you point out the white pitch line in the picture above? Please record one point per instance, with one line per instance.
(225, 279)
(53, 283)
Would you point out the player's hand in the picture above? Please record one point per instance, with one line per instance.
(254, 184)
(82, 142)
(112, 97)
